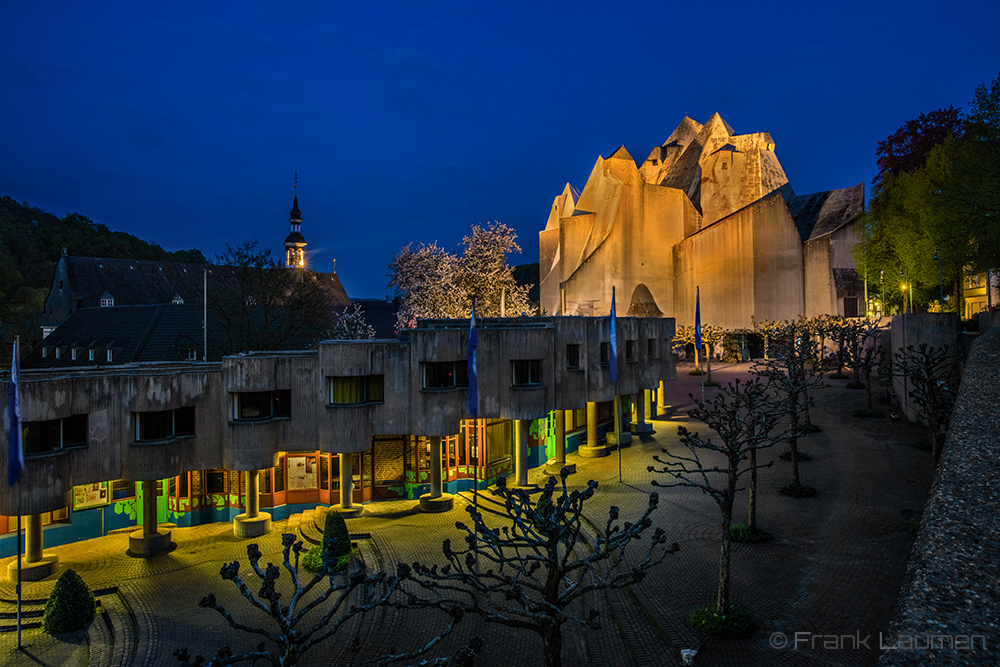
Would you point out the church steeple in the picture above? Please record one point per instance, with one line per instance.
(295, 243)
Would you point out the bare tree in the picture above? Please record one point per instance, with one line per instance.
(767, 329)
(257, 304)
(528, 573)
(866, 355)
(932, 374)
(712, 336)
(745, 417)
(790, 374)
(291, 634)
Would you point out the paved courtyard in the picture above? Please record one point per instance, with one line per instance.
(834, 568)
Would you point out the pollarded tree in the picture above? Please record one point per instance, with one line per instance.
(866, 355)
(932, 375)
(712, 336)
(767, 329)
(528, 573)
(745, 417)
(682, 338)
(790, 374)
(306, 620)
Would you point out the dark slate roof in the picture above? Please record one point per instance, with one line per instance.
(160, 332)
(133, 281)
(825, 212)
(293, 238)
(137, 282)
(380, 314)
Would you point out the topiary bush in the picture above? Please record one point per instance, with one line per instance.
(312, 560)
(70, 607)
(740, 532)
(336, 540)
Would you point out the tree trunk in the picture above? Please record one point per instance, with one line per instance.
(805, 404)
(552, 644)
(793, 446)
(722, 602)
(868, 388)
(752, 493)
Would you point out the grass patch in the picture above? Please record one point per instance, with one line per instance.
(797, 491)
(738, 623)
(869, 414)
(696, 372)
(800, 456)
(740, 532)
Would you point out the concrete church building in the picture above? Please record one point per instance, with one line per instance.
(711, 209)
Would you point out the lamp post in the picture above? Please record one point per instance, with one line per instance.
(937, 258)
(881, 281)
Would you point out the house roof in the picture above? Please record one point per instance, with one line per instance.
(380, 314)
(825, 212)
(159, 332)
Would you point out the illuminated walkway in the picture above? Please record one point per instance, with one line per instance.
(834, 569)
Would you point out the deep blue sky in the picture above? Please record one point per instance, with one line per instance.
(183, 122)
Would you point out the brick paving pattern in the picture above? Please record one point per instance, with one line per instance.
(834, 568)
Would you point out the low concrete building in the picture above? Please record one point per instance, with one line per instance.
(348, 422)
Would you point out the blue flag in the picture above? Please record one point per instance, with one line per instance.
(15, 453)
(613, 356)
(473, 380)
(697, 319)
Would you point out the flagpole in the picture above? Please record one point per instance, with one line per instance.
(613, 359)
(14, 379)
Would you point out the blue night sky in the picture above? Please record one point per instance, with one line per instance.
(182, 123)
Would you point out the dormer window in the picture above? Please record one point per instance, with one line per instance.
(57, 351)
(107, 301)
(178, 300)
(91, 353)
(109, 355)
(72, 354)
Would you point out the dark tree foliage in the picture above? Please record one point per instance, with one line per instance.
(906, 150)
(745, 418)
(307, 620)
(536, 570)
(932, 380)
(70, 607)
(260, 305)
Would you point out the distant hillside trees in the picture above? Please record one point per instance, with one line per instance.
(31, 241)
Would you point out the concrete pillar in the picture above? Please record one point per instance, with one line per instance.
(33, 539)
(436, 500)
(521, 452)
(618, 435)
(148, 540)
(648, 403)
(665, 408)
(36, 565)
(592, 450)
(435, 466)
(641, 403)
(253, 522)
(346, 508)
(149, 522)
(556, 464)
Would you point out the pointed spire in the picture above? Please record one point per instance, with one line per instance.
(295, 215)
(295, 243)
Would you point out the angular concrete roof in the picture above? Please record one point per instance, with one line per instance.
(825, 212)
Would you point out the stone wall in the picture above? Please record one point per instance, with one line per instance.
(947, 607)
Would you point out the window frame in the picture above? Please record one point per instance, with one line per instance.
(45, 431)
(187, 415)
(273, 399)
(571, 356)
(528, 371)
(371, 390)
(458, 369)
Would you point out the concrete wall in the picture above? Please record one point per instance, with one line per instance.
(934, 329)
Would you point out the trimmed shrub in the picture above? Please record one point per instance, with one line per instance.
(336, 540)
(70, 607)
(312, 560)
(740, 532)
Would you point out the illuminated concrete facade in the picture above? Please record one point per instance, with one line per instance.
(709, 209)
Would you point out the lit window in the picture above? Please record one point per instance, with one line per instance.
(91, 354)
(107, 302)
(164, 424)
(258, 405)
(54, 435)
(72, 354)
(445, 374)
(109, 355)
(357, 390)
(57, 351)
(526, 372)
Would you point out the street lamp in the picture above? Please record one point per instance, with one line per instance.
(937, 258)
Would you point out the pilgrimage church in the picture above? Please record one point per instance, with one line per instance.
(709, 209)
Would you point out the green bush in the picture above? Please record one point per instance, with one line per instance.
(706, 620)
(797, 491)
(70, 607)
(740, 532)
(312, 560)
(336, 540)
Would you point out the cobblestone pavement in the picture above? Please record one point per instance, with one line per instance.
(832, 573)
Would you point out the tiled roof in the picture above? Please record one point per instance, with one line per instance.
(133, 281)
(380, 314)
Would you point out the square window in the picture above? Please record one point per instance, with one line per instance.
(526, 372)
(652, 349)
(605, 354)
(630, 350)
(573, 356)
